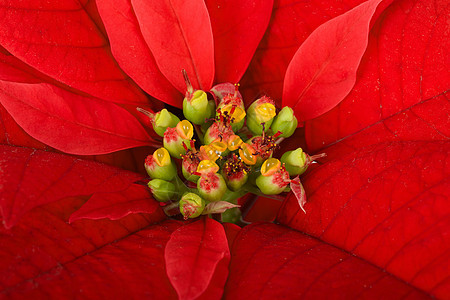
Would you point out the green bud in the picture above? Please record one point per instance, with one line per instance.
(177, 140)
(160, 166)
(164, 119)
(268, 186)
(274, 178)
(211, 186)
(162, 190)
(188, 167)
(285, 122)
(261, 111)
(196, 109)
(295, 162)
(191, 205)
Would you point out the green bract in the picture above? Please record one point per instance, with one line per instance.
(162, 190)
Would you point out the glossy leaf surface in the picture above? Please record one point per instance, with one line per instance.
(31, 178)
(323, 70)
(179, 35)
(413, 35)
(386, 203)
(237, 26)
(274, 262)
(291, 23)
(132, 52)
(194, 255)
(44, 256)
(116, 205)
(62, 40)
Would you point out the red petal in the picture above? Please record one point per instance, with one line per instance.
(71, 123)
(180, 37)
(116, 205)
(323, 70)
(274, 262)
(237, 26)
(387, 203)
(194, 254)
(62, 41)
(406, 63)
(291, 23)
(131, 51)
(231, 230)
(45, 257)
(30, 178)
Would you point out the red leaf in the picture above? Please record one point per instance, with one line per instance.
(44, 256)
(388, 204)
(135, 199)
(291, 23)
(231, 230)
(323, 70)
(132, 53)
(194, 254)
(12, 134)
(62, 41)
(274, 262)
(406, 63)
(237, 26)
(69, 122)
(179, 35)
(54, 114)
(30, 178)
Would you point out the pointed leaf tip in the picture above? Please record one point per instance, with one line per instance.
(197, 257)
(323, 70)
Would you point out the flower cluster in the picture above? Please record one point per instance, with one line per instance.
(231, 154)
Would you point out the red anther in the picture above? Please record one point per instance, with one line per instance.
(236, 88)
(189, 88)
(233, 108)
(192, 144)
(184, 146)
(277, 134)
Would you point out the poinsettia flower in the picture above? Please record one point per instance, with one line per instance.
(377, 212)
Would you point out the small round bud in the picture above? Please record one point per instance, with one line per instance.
(191, 205)
(285, 122)
(162, 120)
(247, 154)
(195, 107)
(177, 140)
(274, 178)
(217, 131)
(261, 111)
(295, 162)
(235, 173)
(160, 166)
(162, 190)
(211, 186)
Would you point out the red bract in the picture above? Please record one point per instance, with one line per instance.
(376, 222)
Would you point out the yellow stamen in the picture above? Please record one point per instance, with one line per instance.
(206, 166)
(208, 152)
(270, 166)
(246, 152)
(238, 113)
(265, 112)
(234, 142)
(161, 157)
(185, 129)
